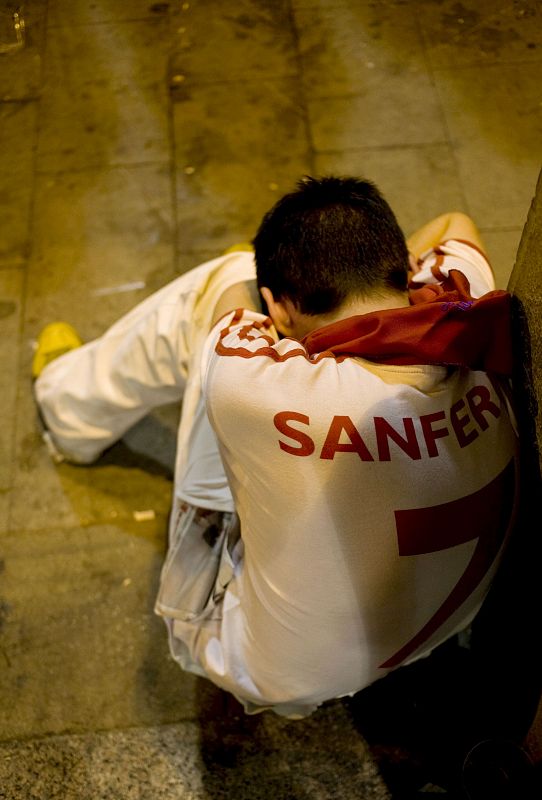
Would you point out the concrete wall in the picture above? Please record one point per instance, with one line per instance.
(526, 286)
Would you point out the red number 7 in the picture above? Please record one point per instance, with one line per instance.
(484, 515)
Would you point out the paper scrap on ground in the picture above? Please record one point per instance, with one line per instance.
(123, 287)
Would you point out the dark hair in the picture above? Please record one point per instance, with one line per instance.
(330, 239)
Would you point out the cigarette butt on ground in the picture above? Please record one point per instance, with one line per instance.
(144, 516)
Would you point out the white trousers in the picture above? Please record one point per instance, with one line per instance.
(91, 396)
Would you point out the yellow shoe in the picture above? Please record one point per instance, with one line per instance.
(55, 339)
(241, 247)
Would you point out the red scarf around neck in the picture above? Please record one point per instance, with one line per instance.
(444, 325)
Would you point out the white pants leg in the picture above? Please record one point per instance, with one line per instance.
(89, 397)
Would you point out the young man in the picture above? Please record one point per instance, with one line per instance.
(346, 508)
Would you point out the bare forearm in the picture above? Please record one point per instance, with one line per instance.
(241, 295)
(447, 226)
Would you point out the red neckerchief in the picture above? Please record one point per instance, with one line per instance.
(443, 325)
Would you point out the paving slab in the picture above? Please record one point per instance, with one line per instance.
(133, 476)
(103, 240)
(21, 56)
(357, 48)
(158, 764)
(340, 5)
(114, 54)
(81, 12)
(231, 168)
(366, 79)
(102, 243)
(112, 106)
(480, 32)
(382, 112)
(4, 508)
(127, 484)
(502, 247)
(220, 756)
(216, 41)
(11, 286)
(81, 647)
(42, 492)
(495, 120)
(17, 137)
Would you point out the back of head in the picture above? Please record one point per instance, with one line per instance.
(330, 240)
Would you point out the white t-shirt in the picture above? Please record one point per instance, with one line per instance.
(373, 502)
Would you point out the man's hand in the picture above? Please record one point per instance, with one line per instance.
(241, 295)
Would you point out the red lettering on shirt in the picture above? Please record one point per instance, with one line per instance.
(306, 445)
(466, 418)
(479, 400)
(460, 423)
(484, 516)
(384, 431)
(356, 444)
(430, 434)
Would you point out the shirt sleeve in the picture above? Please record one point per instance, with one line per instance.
(244, 334)
(436, 263)
(239, 357)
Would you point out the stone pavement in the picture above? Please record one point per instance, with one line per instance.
(138, 139)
